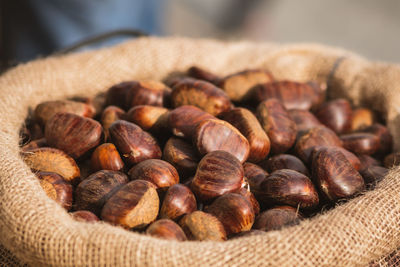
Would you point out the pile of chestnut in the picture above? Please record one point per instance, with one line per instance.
(203, 157)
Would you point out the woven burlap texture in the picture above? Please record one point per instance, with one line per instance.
(39, 232)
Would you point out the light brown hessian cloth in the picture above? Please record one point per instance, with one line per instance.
(39, 232)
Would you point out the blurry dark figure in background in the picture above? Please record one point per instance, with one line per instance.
(32, 28)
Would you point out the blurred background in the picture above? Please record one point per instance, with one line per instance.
(37, 28)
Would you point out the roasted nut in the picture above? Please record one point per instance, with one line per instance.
(304, 120)
(95, 190)
(286, 161)
(73, 134)
(353, 159)
(182, 156)
(249, 126)
(159, 172)
(373, 174)
(117, 94)
(184, 120)
(149, 118)
(367, 161)
(56, 188)
(34, 144)
(238, 85)
(201, 74)
(202, 226)
(201, 94)
(334, 175)
(391, 160)
(234, 211)
(147, 93)
(384, 136)
(276, 218)
(219, 172)
(360, 143)
(212, 135)
(84, 216)
(362, 117)
(48, 159)
(134, 205)
(278, 125)
(45, 110)
(250, 197)
(289, 187)
(254, 175)
(336, 115)
(166, 229)
(133, 143)
(178, 201)
(106, 157)
(109, 116)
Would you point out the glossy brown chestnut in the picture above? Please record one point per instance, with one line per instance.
(134, 144)
(360, 143)
(373, 174)
(238, 85)
(254, 175)
(202, 74)
(147, 93)
(278, 125)
(178, 201)
(286, 161)
(109, 116)
(56, 188)
(106, 157)
(95, 190)
(218, 173)
(353, 159)
(362, 118)
(276, 218)
(159, 172)
(202, 226)
(391, 160)
(73, 134)
(367, 161)
(201, 94)
(166, 229)
(336, 115)
(134, 205)
(304, 120)
(245, 121)
(289, 187)
(149, 118)
(117, 94)
(335, 176)
(212, 135)
(48, 159)
(84, 216)
(384, 136)
(250, 197)
(234, 211)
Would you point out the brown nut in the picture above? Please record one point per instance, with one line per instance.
(166, 229)
(234, 211)
(238, 85)
(109, 116)
(384, 136)
(134, 144)
(48, 159)
(335, 176)
(218, 173)
(134, 205)
(304, 120)
(106, 157)
(202, 74)
(336, 115)
(117, 94)
(391, 160)
(202, 226)
(293, 95)
(286, 161)
(276, 218)
(212, 135)
(45, 110)
(278, 125)
(34, 144)
(56, 188)
(84, 216)
(362, 117)
(252, 232)
(182, 155)
(353, 159)
(367, 161)
(147, 93)
(201, 94)
(254, 176)
(373, 174)
(318, 136)
(159, 172)
(289, 187)
(178, 201)
(249, 126)
(360, 143)
(149, 118)
(250, 197)
(73, 134)
(183, 120)
(95, 190)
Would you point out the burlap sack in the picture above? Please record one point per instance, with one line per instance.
(39, 232)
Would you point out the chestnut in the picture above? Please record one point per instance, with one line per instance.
(353, 159)
(159, 172)
(249, 126)
(362, 118)
(56, 188)
(391, 160)
(384, 136)
(373, 174)
(360, 143)
(134, 205)
(133, 143)
(95, 190)
(34, 144)
(146, 92)
(73, 134)
(304, 120)
(218, 173)
(252, 232)
(336, 115)
(367, 161)
(278, 125)
(250, 197)
(286, 161)
(202, 74)
(149, 118)
(117, 94)
(254, 175)
(178, 201)
(166, 229)
(202, 226)
(276, 218)
(109, 116)
(106, 157)
(234, 211)
(84, 216)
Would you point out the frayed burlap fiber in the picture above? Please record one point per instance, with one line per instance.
(39, 232)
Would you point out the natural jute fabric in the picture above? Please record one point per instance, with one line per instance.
(39, 232)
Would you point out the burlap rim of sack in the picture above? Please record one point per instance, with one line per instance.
(39, 232)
